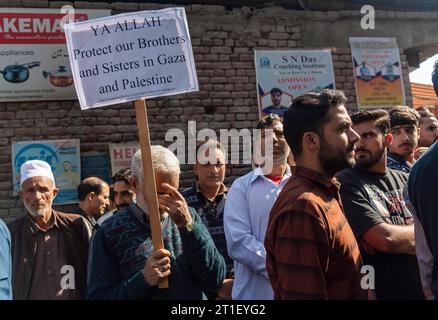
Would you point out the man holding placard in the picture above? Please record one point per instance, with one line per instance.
(124, 263)
(109, 58)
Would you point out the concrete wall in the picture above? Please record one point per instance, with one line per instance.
(223, 42)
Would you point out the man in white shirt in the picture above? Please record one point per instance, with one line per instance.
(246, 214)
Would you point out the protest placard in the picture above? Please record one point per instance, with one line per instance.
(130, 57)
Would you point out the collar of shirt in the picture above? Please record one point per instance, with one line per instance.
(223, 190)
(86, 216)
(399, 159)
(318, 177)
(35, 228)
(258, 173)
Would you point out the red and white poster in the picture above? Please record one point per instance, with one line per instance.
(121, 155)
(34, 63)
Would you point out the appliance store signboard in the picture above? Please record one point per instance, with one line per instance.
(34, 62)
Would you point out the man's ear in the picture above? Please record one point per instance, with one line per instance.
(55, 192)
(388, 139)
(134, 184)
(311, 141)
(418, 132)
(20, 193)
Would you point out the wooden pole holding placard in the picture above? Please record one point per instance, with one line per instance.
(149, 188)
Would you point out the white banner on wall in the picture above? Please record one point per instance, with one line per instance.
(131, 56)
(34, 62)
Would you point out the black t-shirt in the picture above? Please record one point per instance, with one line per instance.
(372, 198)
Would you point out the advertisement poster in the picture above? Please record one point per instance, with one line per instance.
(282, 75)
(121, 155)
(63, 156)
(96, 165)
(131, 56)
(377, 72)
(34, 62)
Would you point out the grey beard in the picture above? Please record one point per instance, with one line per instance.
(37, 214)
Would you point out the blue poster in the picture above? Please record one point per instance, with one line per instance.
(96, 166)
(64, 158)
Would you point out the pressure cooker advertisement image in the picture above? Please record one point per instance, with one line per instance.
(34, 63)
(18, 72)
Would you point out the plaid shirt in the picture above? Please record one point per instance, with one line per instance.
(311, 249)
(212, 214)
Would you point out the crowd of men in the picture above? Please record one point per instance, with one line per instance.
(357, 192)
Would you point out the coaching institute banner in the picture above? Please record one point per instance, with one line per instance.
(283, 75)
(63, 156)
(377, 72)
(34, 61)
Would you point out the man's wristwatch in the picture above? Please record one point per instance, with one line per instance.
(189, 226)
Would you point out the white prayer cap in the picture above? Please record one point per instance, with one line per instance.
(35, 168)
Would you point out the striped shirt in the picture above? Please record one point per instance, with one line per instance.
(424, 256)
(311, 249)
(425, 259)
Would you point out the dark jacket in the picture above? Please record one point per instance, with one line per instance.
(77, 237)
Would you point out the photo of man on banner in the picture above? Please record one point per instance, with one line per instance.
(278, 105)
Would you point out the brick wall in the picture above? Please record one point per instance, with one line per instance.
(223, 42)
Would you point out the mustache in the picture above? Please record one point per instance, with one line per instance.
(36, 203)
(363, 150)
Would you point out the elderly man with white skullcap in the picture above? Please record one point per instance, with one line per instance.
(49, 248)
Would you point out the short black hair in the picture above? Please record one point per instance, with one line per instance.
(309, 112)
(268, 121)
(402, 116)
(425, 112)
(88, 185)
(123, 175)
(435, 77)
(207, 143)
(379, 116)
(276, 90)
